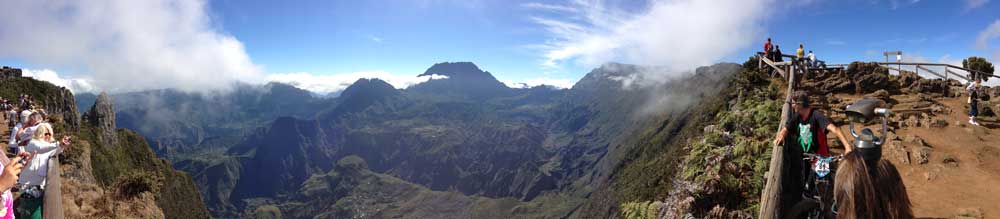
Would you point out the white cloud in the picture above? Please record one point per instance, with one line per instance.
(550, 7)
(325, 84)
(992, 31)
(126, 45)
(534, 82)
(679, 34)
(973, 4)
(376, 39)
(73, 84)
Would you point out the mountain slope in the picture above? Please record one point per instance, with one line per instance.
(109, 172)
(466, 136)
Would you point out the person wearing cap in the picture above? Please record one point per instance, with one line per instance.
(808, 127)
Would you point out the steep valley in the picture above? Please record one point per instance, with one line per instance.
(466, 143)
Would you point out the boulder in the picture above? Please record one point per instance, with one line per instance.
(880, 94)
(934, 86)
(867, 83)
(915, 140)
(896, 152)
(906, 78)
(938, 123)
(911, 121)
(921, 154)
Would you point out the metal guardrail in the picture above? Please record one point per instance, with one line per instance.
(922, 66)
(52, 208)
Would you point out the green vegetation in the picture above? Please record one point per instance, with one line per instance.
(129, 168)
(725, 153)
(978, 64)
(131, 185)
(267, 212)
(41, 91)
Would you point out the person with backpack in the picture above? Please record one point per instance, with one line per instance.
(807, 131)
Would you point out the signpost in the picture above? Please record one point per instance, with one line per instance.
(899, 57)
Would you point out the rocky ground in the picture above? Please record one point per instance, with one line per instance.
(950, 168)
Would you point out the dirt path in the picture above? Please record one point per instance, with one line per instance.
(942, 188)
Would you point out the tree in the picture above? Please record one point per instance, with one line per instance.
(978, 64)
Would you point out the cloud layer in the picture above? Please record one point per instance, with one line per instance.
(677, 34)
(124, 45)
(75, 85)
(325, 84)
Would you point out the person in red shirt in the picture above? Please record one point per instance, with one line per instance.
(768, 47)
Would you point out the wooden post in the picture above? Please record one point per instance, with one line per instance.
(52, 209)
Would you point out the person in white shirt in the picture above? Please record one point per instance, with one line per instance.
(43, 145)
(812, 59)
(973, 90)
(18, 133)
(23, 135)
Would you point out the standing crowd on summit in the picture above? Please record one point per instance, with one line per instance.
(32, 141)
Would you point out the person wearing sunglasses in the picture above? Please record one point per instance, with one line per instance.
(44, 145)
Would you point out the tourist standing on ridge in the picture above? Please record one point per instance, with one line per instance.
(973, 101)
(768, 49)
(800, 53)
(43, 145)
(777, 54)
(812, 59)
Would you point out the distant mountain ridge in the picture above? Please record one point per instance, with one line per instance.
(468, 133)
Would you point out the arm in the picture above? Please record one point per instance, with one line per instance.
(840, 135)
(8, 179)
(42, 146)
(781, 136)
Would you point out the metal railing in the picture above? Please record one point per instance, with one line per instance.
(947, 73)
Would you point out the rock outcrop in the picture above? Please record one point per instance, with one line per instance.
(102, 117)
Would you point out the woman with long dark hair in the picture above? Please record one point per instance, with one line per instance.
(870, 188)
(854, 189)
(892, 191)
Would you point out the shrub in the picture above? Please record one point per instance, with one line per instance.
(978, 64)
(132, 185)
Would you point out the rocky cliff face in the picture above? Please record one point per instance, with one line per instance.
(108, 172)
(102, 116)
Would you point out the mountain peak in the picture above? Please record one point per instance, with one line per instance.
(368, 86)
(457, 70)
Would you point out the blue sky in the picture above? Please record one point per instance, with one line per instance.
(325, 45)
